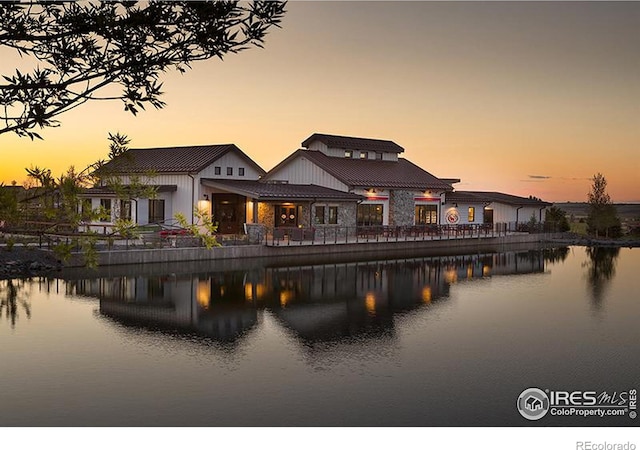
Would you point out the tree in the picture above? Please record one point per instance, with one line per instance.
(84, 47)
(603, 217)
(556, 220)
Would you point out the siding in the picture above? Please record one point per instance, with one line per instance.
(302, 171)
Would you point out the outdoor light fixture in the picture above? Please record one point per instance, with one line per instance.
(206, 197)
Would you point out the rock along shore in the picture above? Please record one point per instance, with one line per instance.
(22, 262)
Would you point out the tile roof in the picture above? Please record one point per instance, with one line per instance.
(190, 159)
(354, 143)
(375, 173)
(280, 191)
(497, 197)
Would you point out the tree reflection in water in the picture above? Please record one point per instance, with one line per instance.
(10, 300)
(601, 268)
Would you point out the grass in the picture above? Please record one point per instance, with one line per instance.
(578, 228)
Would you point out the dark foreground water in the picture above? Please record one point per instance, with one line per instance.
(440, 341)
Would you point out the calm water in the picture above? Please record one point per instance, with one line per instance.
(433, 341)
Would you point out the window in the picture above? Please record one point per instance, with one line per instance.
(348, 154)
(370, 214)
(364, 155)
(333, 215)
(217, 170)
(105, 210)
(472, 214)
(379, 156)
(86, 208)
(125, 209)
(156, 211)
(319, 216)
(229, 171)
(241, 171)
(426, 214)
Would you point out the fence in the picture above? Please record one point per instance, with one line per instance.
(343, 234)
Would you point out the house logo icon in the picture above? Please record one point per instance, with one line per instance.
(533, 404)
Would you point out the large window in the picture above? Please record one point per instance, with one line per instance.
(426, 214)
(125, 209)
(319, 216)
(333, 215)
(105, 210)
(156, 210)
(370, 214)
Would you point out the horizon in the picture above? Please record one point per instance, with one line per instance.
(521, 98)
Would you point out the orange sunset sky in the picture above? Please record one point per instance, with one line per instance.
(524, 98)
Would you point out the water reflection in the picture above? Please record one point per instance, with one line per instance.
(316, 303)
(601, 268)
(12, 300)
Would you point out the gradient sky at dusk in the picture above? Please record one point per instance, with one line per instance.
(525, 98)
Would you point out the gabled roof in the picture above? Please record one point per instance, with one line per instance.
(354, 143)
(280, 191)
(190, 159)
(497, 197)
(370, 173)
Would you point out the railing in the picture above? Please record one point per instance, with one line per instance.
(287, 236)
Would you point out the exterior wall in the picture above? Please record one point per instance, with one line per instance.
(380, 196)
(266, 214)
(231, 159)
(303, 171)
(511, 214)
(346, 214)
(340, 153)
(463, 213)
(402, 208)
(179, 201)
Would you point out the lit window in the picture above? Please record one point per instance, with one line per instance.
(364, 155)
(348, 154)
(472, 214)
(426, 214)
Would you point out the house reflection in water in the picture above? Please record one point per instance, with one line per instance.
(320, 303)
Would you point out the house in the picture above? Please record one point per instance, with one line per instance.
(331, 182)
(477, 207)
(176, 174)
(394, 191)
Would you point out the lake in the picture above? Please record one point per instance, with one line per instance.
(427, 341)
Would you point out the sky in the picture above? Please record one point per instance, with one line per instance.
(517, 97)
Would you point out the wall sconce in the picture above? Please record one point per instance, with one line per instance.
(206, 197)
(455, 205)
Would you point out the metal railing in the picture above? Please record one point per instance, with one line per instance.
(323, 235)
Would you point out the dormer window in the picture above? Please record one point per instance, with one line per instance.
(379, 156)
(364, 155)
(348, 154)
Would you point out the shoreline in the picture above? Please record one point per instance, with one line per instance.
(26, 262)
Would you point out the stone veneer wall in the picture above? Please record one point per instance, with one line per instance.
(401, 208)
(266, 214)
(347, 212)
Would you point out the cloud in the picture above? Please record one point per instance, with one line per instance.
(539, 177)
